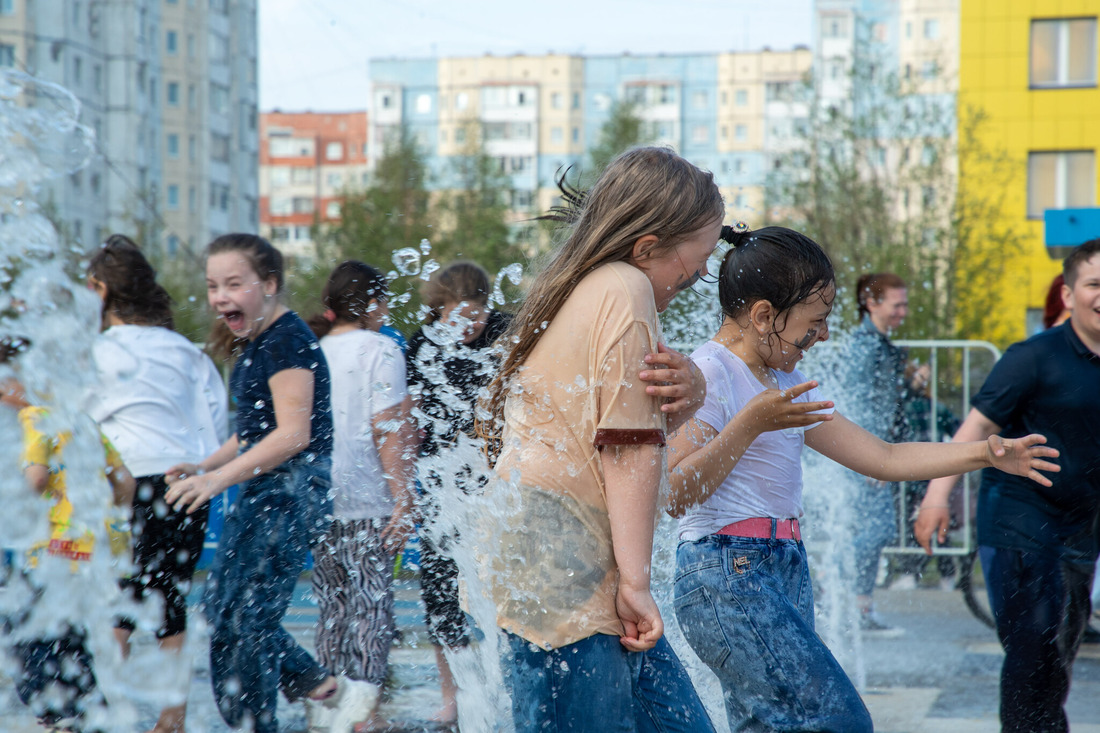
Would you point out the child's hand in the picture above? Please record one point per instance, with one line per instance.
(397, 531)
(642, 623)
(675, 378)
(1022, 456)
(933, 521)
(191, 492)
(180, 471)
(775, 409)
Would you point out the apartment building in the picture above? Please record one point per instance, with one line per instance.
(538, 115)
(308, 161)
(169, 89)
(1030, 69)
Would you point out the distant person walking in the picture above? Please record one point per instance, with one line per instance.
(1039, 544)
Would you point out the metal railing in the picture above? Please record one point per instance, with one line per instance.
(939, 351)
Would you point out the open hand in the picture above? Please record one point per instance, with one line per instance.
(642, 623)
(675, 378)
(775, 409)
(1023, 456)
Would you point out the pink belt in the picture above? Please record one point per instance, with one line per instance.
(761, 528)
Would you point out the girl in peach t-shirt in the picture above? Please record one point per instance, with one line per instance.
(582, 454)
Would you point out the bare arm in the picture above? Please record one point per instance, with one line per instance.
(700, 458)
(292, 398)
(122, 485)
(850, 445)
(677, 379)
(934, 515)
(394, 435)
(632, 477)
(38, 477)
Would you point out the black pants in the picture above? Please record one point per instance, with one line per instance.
(1041, 605)
(56, 679)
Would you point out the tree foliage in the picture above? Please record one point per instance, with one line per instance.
(623, 130)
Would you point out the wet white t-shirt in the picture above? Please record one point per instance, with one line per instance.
(767, 481)
(368, 376)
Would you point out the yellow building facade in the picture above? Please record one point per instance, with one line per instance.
(1029, 132)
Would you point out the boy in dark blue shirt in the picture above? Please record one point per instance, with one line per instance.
(1038, 544)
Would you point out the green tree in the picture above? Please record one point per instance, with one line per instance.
(623, 130)
(473, 212)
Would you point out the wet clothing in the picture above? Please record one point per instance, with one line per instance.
(1038, 545)
(876, 375)
(447, 380)
(1048, 384)
(746, 605)
(278, 517)
(285, 344)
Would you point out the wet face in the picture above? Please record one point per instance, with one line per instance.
(889, 313)
(673, 271)
(804, 325)
(472, 316)
(237, 295)
(1083, 300)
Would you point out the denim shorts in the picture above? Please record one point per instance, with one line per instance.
(746, 607)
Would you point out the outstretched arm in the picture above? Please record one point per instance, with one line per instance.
(853, 447)
(934, 514)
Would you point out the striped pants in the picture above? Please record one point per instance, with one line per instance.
(353, 585)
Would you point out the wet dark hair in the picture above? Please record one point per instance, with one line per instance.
(266, 262)
(873, 286)
(776, 264)
(348, 294)
(12, 346)
(133, 294)
(1078, 256)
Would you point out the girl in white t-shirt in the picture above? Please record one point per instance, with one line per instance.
(743, 595)
(160, 401)
(371, 472)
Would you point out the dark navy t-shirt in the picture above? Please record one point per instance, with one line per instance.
(285, 344)
(1049, 384)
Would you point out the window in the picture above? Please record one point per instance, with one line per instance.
(173, 197)
(601, 101)
(741, 98)
(576, 100)
(171, 43)
(666, 94)
(7, 7)
(219, 148)
(387, 101)
(173, 91)
(282, 206)
(76, 14)
(522, 198)
(462, 101)
(280, 234)
(192, 148)
(556, 100)
(78, 70)
(1060, 180)
(301, 175)
(741, 132)
(97, 77)
(835, 28)
(173, 244)
(332, 210)
(218, 49)
(908, 29)
(334, 180)
(290, 147)
(192, 98)
(334, 151)
(301, 233)
(302, 205)
(7, 55)
(1063, 52)
(929, 70)
(192, 199)
(700, 134)
(219, 99)
(423, 104)
(576, 134)
(557, 135)
(173, 146)
(932, 29)
(190, 45)
(460, 135)
(699, 100)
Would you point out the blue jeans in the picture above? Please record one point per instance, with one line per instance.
(746, 607)
(261, 553)
(596, 685)
(1041, 605)
(876, 526)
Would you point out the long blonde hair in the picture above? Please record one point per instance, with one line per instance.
(645, 191)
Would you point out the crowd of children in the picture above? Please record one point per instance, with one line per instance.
(594, 428)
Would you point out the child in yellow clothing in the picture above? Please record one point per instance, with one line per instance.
(56, 679)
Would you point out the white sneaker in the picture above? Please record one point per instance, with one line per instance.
(354, 702)
(908, 581)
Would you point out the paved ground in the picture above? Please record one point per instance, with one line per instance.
(939, 677)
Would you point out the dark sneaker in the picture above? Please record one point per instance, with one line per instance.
(1091, 635)
(871, 625)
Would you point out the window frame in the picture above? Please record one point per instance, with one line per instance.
(1062, 54)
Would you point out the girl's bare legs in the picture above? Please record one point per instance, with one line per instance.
(448, 713)
(172, 719)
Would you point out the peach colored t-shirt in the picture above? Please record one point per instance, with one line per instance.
(554, 579)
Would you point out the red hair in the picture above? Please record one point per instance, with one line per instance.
(1055, 306)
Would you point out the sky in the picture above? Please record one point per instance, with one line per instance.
(313, 53)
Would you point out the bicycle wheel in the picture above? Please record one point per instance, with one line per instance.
(973, 589)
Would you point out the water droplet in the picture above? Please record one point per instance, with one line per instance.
(259, 404)
(407, 261)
